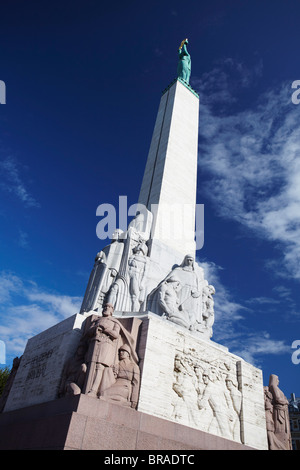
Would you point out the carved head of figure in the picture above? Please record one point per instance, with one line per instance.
(124, 352)
(273, 381)
(210, 374)
(188, 263)
(108, 310)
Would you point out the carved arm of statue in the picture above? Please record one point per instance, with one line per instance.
(113, 331)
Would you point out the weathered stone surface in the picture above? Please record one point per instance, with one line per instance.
(38, 376)
(85, 423)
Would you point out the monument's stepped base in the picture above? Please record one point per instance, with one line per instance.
(86, 423)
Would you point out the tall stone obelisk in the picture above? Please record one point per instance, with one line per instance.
(170, 180)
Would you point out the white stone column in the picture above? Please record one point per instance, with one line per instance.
(170, 177)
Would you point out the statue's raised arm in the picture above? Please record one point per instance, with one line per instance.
(184, 63)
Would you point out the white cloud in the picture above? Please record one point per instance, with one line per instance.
(26, 310)
(230, 328)
(252, 157)
(256, 345)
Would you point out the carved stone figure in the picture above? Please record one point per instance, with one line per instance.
(207, 393)
(137, 269)
(95, 280)
(191, 289)
(127, 293)
(280, 415)
(74, 373)
(273, 442)
(102, 339)
(184, 63)
(125, 390)
(181, 299)
(185, 387)
(236, 399)
(169, 302)
(216, 399)
(208, 314)
(142, 223)
(101, 355)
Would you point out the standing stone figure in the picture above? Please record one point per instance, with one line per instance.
(184, 64)
(208, 314)
(102, 337)
(280, 413)
(95, 280)
(217, 401)
(125, 390)
(137, 267)
(273, 442)
(236, 398)
(185, 387)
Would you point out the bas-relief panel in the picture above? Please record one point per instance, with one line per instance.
(206, 392)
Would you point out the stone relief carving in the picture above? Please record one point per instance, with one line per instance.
(120, 278)
(208, 313)
(277, 416)
(105, 364)
(184, 297)
(96, 278)
(236, 399)
(208, 393)
(137, 269)
(126, 289)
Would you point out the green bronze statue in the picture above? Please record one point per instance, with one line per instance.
(184, 64)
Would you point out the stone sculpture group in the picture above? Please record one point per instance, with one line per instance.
(120, 278)
(100, 368)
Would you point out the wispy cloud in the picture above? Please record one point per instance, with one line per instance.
(253, 346)
(230, 327)
(26, 310)
(252, 158)
(11, 181)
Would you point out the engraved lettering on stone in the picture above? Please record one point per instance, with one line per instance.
(38, 365)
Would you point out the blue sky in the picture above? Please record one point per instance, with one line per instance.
(83, 84)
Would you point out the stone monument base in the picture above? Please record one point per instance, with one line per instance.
(189, 386)
(86, 423)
